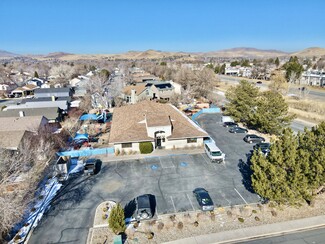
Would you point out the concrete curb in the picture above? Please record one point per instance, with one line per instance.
(256, 232)
(141, 156)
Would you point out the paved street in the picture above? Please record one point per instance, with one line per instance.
(312, 93)
(170, 178)
(316, 236)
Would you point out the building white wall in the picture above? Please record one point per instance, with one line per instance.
(134, 148)
(177, 87)
(167, 129)
(182, 143)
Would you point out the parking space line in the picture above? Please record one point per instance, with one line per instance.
(241, 196)
(190, 201)
(160, 163)
(204, 159)
(171, 198)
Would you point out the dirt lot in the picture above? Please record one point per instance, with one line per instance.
(182, 225)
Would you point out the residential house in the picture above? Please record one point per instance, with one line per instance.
(7, 87)
(44, 102)
(161, 124)
(36, 81)
(13, 130)
(52, 114)
(313, 78)
(134, 93)
(50, 92)
(151, 90)
(24, 91)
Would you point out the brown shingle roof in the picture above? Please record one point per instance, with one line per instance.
(31, 123)
(11, 139)
(129, 122)
(139, 88)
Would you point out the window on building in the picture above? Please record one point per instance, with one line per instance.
(126, 145)
(191, 140)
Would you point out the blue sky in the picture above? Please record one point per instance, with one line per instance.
(106, 26)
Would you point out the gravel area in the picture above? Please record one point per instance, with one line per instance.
(187, 224)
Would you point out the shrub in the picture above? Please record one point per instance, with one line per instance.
(145, 147)
(172, 217)
(160, 226)
(150, 235)
(180, 225)
(229, 213)
(274, 214)
(117, 152)
(257, 218)
(116, 219)
(241, 220)
(254, 211)
(196, 224)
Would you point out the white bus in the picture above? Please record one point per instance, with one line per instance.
(214, 153)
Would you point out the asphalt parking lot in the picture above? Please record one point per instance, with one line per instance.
(170, 178)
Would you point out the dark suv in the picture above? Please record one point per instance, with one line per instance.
(144, 208)
(250, 138)
(238, 130)
(230, 124)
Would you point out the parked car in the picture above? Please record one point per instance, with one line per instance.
(238, 130)
(204, 199)
(251, 138)
(92, 166)
(144, 208)
(259, 82)
(262, 146)
(230, 124)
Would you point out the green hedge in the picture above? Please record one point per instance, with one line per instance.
(145, 147)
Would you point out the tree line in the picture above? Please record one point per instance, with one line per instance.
(293, 171)
(266, 111)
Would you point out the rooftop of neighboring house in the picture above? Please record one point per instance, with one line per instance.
(53, 90)
(31, 123)
(134, 129)
(11, 139)
(139, 88)
(45, 99)
(161, 85)
(28, 87)
(50, 113)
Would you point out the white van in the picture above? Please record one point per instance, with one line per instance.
(214, 153)
(226, 119)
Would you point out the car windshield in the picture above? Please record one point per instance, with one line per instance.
(206, 201)
(216, 153)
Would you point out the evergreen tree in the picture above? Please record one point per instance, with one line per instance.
(36, 74)
(116, 219)
(222, 69)
(293, 67)
(271, 113)
(242, 101)
(277, 62)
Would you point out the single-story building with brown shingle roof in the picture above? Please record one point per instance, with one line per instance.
(14, 129)
(161, 124)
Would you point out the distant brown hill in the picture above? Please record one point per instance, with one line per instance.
(245, 52)
(310, 52)
(241, 52)
(6, 54)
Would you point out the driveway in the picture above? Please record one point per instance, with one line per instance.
(170, 178)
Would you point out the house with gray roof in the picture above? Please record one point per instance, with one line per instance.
(52, 114)
(50, 92)
(44, 102)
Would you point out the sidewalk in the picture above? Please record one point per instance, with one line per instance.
(156, 153)
(255, 231)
